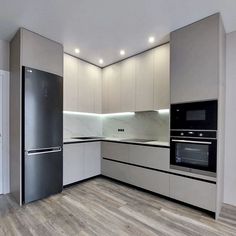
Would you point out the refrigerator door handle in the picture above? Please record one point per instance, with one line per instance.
(43, 151)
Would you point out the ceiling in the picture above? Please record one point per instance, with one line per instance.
(100, 28)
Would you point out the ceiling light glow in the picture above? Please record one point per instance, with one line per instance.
(151, 39)
(101, 61)
(77, 50)
(122, 52)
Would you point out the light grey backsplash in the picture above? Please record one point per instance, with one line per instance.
(150, 125)
(81, 125)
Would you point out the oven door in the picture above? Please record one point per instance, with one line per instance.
(194, 153)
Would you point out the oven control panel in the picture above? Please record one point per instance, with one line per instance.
(191, 133)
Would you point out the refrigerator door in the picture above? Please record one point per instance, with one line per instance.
(43, 107)
(43, 173)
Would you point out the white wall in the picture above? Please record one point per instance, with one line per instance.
(230, 131)
(4, 55)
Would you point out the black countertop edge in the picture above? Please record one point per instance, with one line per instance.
(116, 141)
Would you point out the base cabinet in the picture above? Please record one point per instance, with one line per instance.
(81, 161)
(194, 192)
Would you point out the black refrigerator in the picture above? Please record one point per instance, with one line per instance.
(42, 134)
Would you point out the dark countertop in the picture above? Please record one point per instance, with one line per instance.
(119, 140)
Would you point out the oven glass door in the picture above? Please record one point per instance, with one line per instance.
(196, 154)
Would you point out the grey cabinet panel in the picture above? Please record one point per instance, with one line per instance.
(162, 77)
(92, 159)
(194, 192)
(148, 179)
(115, 170)
(49, 53)
(115, 151)
(194, 61)
(152, 157)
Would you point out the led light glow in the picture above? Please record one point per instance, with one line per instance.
(163, 111)
(99, 115)
(101, 61)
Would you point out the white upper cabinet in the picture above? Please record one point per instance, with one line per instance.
(111, 89)
(162, 77)
(70, 96)
(195, 61)
(82, 86)
(127, 85)
(144, 75)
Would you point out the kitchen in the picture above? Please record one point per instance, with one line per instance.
(138, 142)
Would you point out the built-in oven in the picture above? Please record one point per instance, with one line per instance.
(194, 151)
(194, 116)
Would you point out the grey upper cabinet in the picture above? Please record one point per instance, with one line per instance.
(82, 86)
(127, 85)
(162, 77)
(49, 53)
(70, 96)
(111, 89)
(144, 75)
(194, 61)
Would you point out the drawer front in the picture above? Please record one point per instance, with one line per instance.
(150, 180)
(153, 157)
(194, 192)
(115, 170)
(115, 151)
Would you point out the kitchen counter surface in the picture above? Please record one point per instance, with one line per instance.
(118, 140)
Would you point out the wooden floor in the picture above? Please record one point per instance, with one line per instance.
(103, 207)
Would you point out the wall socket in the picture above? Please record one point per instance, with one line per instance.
(121, 130)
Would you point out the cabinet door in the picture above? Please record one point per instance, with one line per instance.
(127, 81)
(144, 73)
(162, 77)
(148, 179)
(194, 61)
(85, 87)
(70, 96)
(153, 157)
(92, 159)
(194, 192)
(105, 90)
(97, 84)
(115, 170)
(111, 88)
(73, 163)
(115, 151)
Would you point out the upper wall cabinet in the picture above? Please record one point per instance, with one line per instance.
(140, 83)
(49, 53)
(144, 72)
(111, 89)
(195, 61)
(162, 77)
(82, 86)
(127, 85)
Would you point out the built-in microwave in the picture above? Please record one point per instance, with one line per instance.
(194, 116)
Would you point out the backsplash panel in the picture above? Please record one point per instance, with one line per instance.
(81, 125)
(150, 125)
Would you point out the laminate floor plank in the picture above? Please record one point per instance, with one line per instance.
(103, 207)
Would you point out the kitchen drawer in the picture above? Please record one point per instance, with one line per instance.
(194, 192)
(153, 157)
(115, 151)
(115, 170)
(154, 181)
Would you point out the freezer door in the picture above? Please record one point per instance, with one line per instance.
(43, 109)
(43, 173)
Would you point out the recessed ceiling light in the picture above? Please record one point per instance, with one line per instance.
(151, 39)
(101, 61)
(77, 51)
(122, 52)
